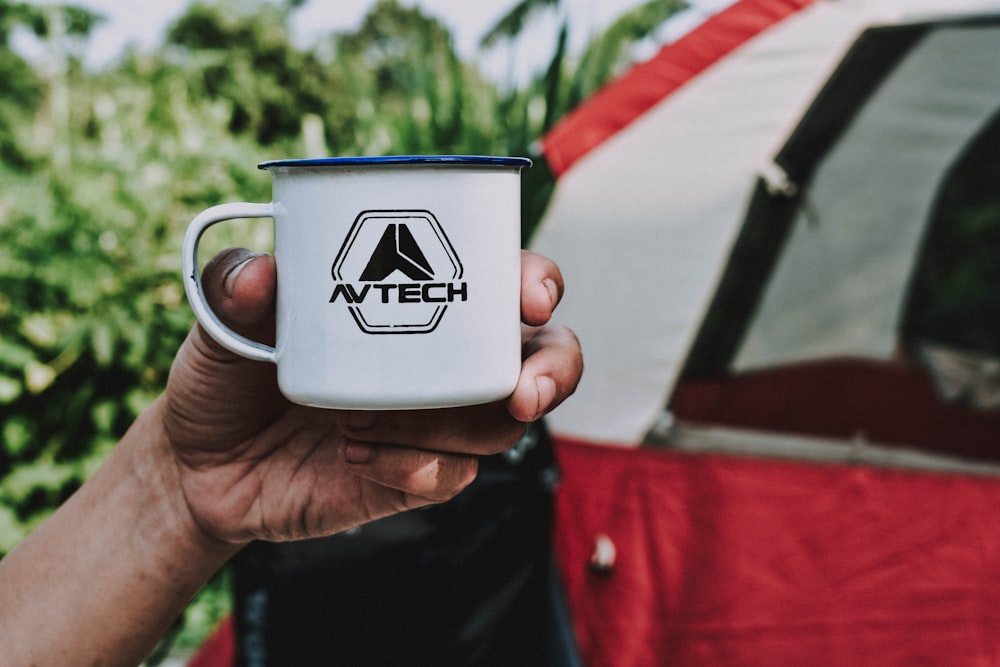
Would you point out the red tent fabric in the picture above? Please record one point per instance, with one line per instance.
(646, 84)
(844, 399)
(723, 560)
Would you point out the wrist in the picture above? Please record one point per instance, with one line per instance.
(168, 517)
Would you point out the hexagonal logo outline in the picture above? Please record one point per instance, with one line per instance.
(397, 249)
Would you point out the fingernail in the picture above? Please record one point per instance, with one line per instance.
(553, 290)
(546, 388)
(229, 282)
(355, 452)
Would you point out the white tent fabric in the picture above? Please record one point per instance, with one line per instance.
(869, 203)
(642, 225)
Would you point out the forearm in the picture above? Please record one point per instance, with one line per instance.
(102, 579)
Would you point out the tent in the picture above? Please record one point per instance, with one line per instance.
(778, 238)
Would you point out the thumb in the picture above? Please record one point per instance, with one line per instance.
(239, 286)
(213, 394)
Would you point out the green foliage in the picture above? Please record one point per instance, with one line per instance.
(412, 92)
(20, 85)
(72, 20)
(100, 173)
(241, 53)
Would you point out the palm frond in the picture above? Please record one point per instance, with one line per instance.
(514, 22)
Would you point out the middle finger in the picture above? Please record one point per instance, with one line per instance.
(479, 430)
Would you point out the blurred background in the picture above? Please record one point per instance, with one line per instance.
(800, 354)
(120, 121)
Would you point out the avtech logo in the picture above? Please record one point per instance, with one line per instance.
(397, 272)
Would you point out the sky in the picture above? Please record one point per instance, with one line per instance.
(144, 22)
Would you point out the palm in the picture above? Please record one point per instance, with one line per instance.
(288, 481)
(255, 466)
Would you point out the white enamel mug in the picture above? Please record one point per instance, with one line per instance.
(398, 280)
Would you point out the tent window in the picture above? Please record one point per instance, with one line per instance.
(955, 296)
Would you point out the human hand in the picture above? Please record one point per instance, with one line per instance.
(252, 465)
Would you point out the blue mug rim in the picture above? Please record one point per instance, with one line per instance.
(455, 160)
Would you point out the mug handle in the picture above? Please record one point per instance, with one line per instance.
(225, 336)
